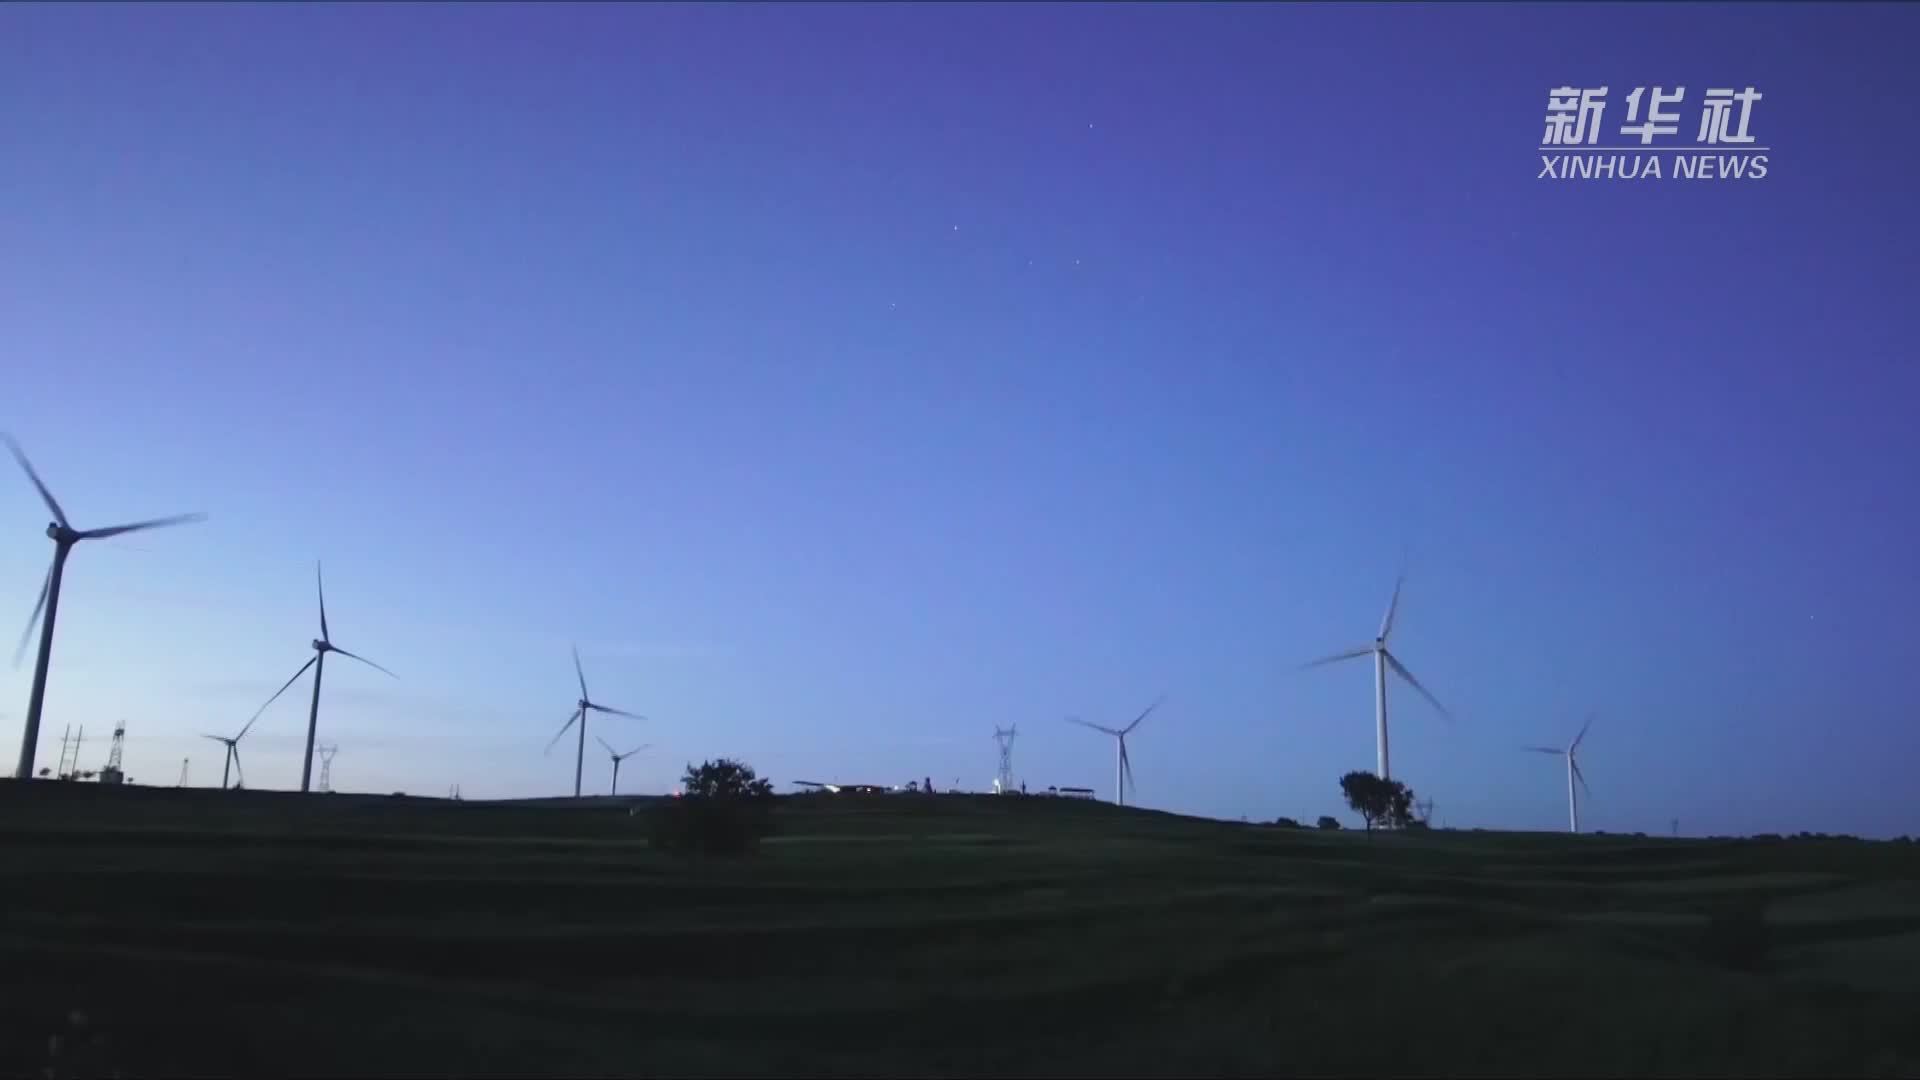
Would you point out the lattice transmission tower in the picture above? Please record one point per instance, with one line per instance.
(1003, 783)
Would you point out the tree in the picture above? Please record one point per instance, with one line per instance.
(1378, 800)
(1328, 822)
(1286, 823)
(724, 809)
(724, 779)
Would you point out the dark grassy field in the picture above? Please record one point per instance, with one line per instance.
(265, 934)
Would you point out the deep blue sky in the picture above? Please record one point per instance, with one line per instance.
(851, 380)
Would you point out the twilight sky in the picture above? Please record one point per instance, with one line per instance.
(850, 380)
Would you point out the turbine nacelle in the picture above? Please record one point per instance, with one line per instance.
(322, 646)
(62, 534)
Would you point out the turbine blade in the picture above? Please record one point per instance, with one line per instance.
(33, 620)
(1582, 777)
(20, 456)
(363, 660)
(1096, 727)
(215, 738)
(1582, 735)
(1393, 606)
(156, 523)
(1336, 657)
(635, 750)
(1126, 765)
(239, 774)
(321, 588)
(580, 671)
(277, 693)
(603, 743)
(1545, 750)
(1136, 720)
(1394, 663)
(575, 715)
(614, 711)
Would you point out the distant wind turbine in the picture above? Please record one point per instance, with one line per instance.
(64, 536)
(618, 757)
(1382, 660)
(1573, 773)
(580, 710)
(318, 662)
(1123, 765)
(233, 749)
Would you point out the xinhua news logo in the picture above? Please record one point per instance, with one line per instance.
(1648, 144)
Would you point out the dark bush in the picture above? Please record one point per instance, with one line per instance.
(1326, 822)
(1286, 823)
(725, 810)
(1737, 935)
(1378, 801)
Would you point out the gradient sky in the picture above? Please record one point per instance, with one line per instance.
(851, 380)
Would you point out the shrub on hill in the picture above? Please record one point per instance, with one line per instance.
(725, 810)
(1286, 823)
(1378, 801)
(1327, 822)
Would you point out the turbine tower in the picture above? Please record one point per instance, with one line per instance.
(1573, 773)
(318, 662)
(617, 759)
(580, 710)
(1004, 737)
(64, 537)
(1382, 660)
(1123, 766)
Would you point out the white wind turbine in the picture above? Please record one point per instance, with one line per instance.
(232, 767)
(1573, 773)
(580, 710)
(618, 757)
(1382, 660)
(1123, 766)
(322, 645)
(64, 537)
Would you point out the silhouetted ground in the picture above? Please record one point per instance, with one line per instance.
(261, 934)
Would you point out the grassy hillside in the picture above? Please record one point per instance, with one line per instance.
(260, 933)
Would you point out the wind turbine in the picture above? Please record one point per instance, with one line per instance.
(233, 748)
(617, 759)
(1382, 660)
(1573, 773)
(64, 536)
(318, 662)
(1123, 766)
(580, 710)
